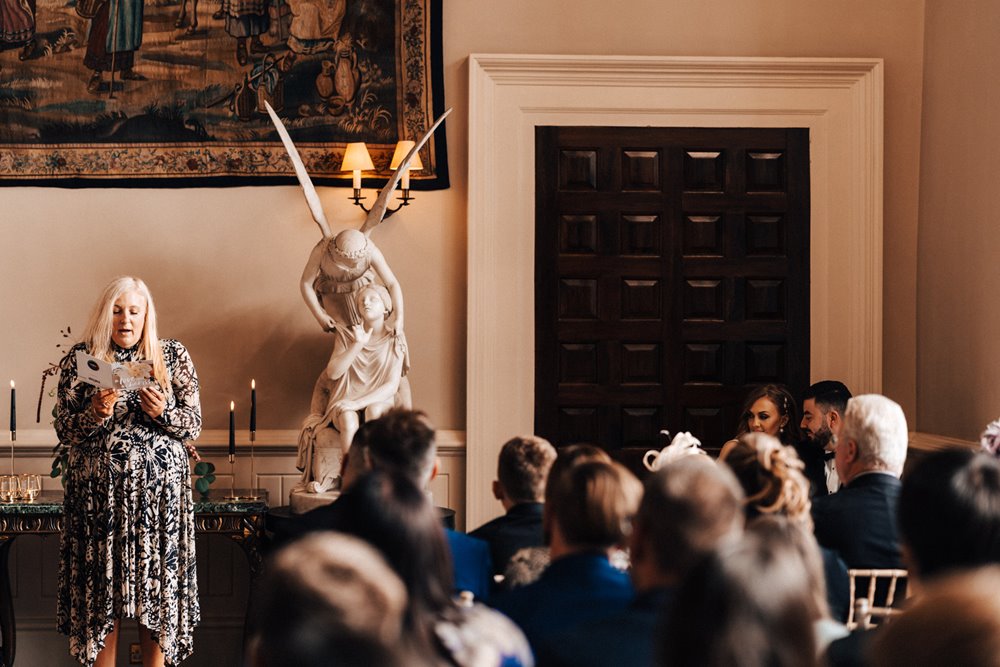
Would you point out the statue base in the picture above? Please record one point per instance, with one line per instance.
(303, 501)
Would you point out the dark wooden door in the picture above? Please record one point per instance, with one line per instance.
(671, 274)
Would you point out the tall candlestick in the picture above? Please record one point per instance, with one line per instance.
(356, 179)
(253, 407)
(232, 429)
(13, 411)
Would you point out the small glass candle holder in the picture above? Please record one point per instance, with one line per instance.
(8, 488)
(30, 486)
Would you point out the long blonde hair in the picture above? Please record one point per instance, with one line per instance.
(97, 335)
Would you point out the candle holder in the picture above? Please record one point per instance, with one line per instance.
(232, 479)
(251, 495)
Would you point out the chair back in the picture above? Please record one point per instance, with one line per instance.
(873, 596)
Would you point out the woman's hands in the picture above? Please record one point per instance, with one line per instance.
(153, 401)
(103, 403)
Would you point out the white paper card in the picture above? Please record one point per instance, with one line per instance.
(114, 375)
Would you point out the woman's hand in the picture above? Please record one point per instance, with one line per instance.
(103, 403)
(360, 335)
(153, 401)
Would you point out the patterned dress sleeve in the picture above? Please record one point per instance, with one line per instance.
(181, 418)
(75, 420)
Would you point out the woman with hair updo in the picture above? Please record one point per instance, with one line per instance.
(771, 476)
(127, 548)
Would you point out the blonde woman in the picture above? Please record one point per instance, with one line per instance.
(772, 480)
(127, 547)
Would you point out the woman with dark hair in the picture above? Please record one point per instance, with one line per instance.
(771, 409)
(747, 605)
(393, 515)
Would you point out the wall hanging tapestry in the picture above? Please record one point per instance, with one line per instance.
(171, 92)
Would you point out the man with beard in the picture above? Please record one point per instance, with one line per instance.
(823, 406)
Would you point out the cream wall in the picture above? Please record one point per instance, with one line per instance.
(959, 274)
(224, 263)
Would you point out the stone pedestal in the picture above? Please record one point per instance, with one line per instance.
(302, 501)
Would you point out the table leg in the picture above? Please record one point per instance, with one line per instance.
(7, 626)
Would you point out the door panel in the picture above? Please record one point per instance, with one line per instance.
(672, 272)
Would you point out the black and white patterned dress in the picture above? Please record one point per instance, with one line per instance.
(127, 548)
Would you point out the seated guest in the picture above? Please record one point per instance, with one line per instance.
(956, 621)
(949, 521)
(776, 528)
(402, 441)
(588, 508)
(689, 507)
(949, 513)
(770, 409)
(328, 595)
(823, 406)
(522, 467)
(747, 604)
(390, 512)
(771, 477)
(859, 521)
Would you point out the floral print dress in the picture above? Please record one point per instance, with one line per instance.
(127, 548)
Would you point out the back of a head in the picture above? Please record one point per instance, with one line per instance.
(747, 605)
(829, 394)
(956, 621)
(523, 466)
(949, 512)
(328, 595)
(688, 509)
(778, 529)
(593, 503)
(878, 425)
(771, 476)
(569, 456)
(402, 441)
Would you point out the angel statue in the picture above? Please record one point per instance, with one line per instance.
(353, 294)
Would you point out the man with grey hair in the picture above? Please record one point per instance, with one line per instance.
(859, 521)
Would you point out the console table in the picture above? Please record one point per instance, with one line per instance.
(241, 521)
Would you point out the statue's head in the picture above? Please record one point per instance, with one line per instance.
(374, 295)
(351, 246)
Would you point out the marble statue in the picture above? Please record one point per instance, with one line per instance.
(353, 294)
(362, 376)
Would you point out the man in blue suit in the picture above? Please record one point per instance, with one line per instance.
(588, 505)
(859, 521)
(688, 509)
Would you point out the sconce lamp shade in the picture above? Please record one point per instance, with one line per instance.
(357, 158)
(402, 148)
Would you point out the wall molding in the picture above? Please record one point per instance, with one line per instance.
(839, 100)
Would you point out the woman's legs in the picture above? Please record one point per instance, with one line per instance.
(107, 655)
(152, 654)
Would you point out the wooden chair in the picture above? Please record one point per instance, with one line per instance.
(883, 584)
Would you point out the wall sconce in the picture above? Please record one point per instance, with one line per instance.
(357, 159)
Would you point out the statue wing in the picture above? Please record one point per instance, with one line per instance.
(312, 197)
(377, 213)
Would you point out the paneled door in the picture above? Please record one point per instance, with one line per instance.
(671, 274)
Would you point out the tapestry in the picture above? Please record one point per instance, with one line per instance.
(151, 93)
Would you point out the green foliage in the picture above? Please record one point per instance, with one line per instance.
(205, 473)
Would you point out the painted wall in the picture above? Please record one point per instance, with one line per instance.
(959, 237)
(224, 264)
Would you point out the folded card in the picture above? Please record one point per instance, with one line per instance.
(114, 374)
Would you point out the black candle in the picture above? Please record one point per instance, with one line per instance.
(232, 428)
(253, 406)
(13, 408)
